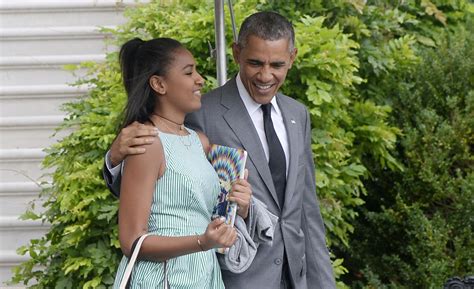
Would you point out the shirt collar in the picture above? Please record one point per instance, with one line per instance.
(249, 103)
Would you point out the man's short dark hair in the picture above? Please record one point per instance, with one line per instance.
(268, 26)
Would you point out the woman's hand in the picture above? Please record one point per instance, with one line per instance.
(241, 193)
(218, 235)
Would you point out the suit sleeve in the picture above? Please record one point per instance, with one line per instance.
(319, 268)
(112, 178)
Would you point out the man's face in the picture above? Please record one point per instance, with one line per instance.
(263, 66)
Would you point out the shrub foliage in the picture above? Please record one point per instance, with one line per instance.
(420, 222)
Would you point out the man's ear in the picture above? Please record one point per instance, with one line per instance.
(236, 52)
(293, 56)
(158, 84)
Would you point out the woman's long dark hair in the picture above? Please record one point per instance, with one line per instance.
(139, 60)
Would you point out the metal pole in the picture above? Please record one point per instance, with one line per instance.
(232, 19)
(220, 42)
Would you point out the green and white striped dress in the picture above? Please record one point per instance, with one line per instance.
(182, 205)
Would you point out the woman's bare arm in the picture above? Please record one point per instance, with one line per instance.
(138, 184)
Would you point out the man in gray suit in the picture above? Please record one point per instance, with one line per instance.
(249, 112)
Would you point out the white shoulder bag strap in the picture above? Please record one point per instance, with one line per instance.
(131, 263)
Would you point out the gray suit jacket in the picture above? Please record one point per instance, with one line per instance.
(300, 231)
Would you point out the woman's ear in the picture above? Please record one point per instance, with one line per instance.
(158, 84)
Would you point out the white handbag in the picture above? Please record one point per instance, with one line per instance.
(131, 262)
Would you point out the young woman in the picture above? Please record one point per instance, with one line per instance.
(171, 189)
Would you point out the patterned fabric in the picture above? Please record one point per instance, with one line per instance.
(182, 205)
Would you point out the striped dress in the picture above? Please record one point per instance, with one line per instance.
(182, 205)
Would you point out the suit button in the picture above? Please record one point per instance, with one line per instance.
(277, 261)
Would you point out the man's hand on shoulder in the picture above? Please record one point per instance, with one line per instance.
(131, 141)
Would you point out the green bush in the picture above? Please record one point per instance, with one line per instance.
(416, 230)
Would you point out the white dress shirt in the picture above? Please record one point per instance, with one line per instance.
(256, 114)
(114, 171)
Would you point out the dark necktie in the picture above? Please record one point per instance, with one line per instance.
(277, 160)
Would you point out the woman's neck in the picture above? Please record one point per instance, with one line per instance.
(175, 124)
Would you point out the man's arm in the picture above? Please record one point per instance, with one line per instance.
(131, 140)
(318, 264)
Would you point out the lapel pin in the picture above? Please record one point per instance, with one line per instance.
(293, 121)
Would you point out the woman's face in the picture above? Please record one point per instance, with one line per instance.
(183, 82)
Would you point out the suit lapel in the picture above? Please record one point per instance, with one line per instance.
(241, 124)
(291, 126)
